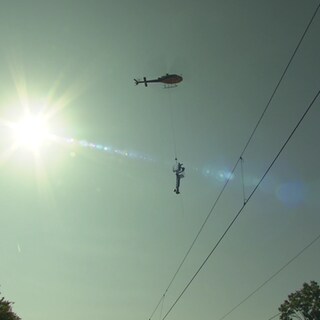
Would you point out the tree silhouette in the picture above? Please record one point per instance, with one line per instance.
(303, 304)
(6, 312)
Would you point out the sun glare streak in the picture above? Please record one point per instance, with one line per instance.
(53, 102)
(31, 132)
(52, 91)
(69, 95)
(35, 112)
(42, 180)
(19, 80)
(102, 148)
(6, 154)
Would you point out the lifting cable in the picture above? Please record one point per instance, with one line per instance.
(171, 106)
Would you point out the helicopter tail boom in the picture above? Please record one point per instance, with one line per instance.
(145, 81)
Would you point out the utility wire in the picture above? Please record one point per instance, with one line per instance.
(281, 78)
(276, 315)
(239, 159)
(272, 276)
(161, 310)
(241, 209)
(242, 178)
(155, 309)
(195, 239)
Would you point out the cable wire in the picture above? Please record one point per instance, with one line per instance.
(161, 310)
(241, 209)
(281, 78)
(239, 159)
(273, 317)
(243, 184)
(155, 309)
(172, 127)
(272, 276)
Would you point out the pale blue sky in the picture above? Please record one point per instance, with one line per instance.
(88, 233)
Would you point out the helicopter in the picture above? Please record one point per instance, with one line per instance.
(168, 79)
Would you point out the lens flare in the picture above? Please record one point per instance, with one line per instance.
(103, 148)
(292, 194)
(31, 132)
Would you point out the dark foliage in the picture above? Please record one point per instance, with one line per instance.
(6, 312)
(303, 304)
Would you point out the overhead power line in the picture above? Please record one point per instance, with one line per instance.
(273, 317)
(272, 276)
(241, 209)
(237, 162)
(281, 78)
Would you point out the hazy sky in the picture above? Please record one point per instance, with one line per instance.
(89, 225)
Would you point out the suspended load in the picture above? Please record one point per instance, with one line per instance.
(179, 170)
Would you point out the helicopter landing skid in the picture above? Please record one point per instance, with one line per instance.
(169, 86)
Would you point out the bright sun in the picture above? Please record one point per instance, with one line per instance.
(31, 132)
